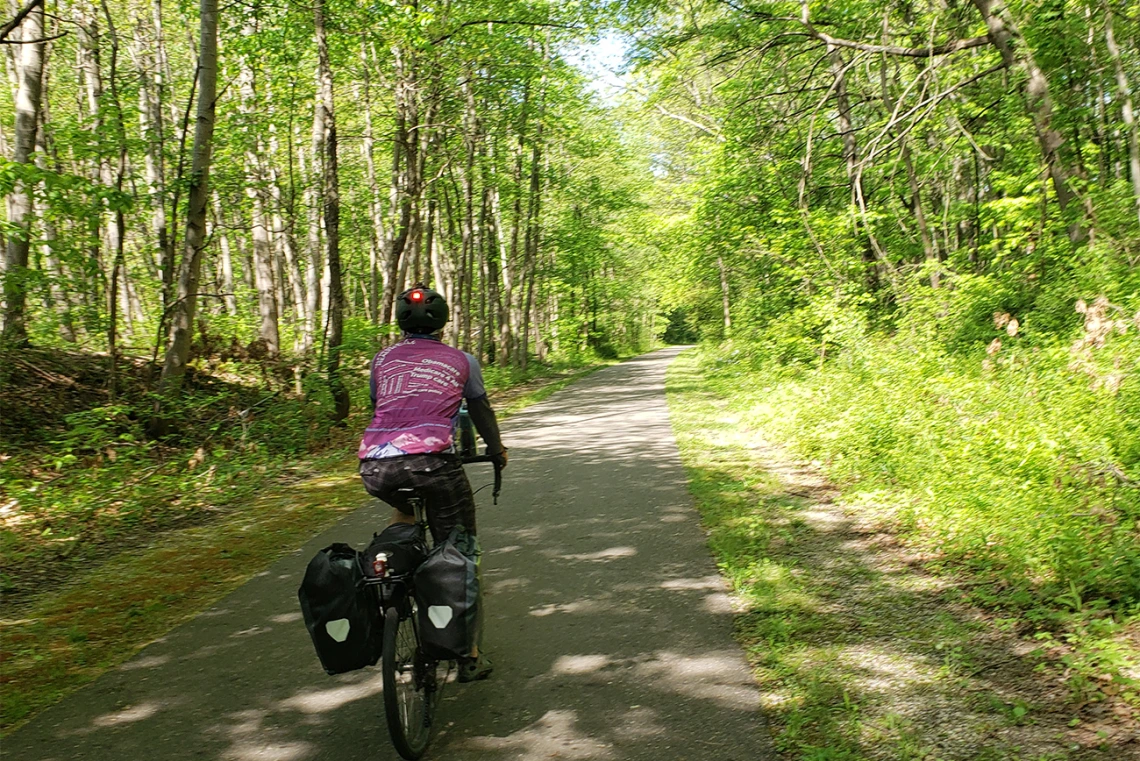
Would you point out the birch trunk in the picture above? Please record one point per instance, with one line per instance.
(225, 273)
(379, 235)
(1125, 95)
(263, 269)
(150, 56)
(314, 266)
(19, 200)
(533, 227)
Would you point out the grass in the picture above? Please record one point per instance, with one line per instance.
(104, 614)
(861, 652)
(111, 606)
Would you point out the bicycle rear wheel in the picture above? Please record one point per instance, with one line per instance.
(411, 684)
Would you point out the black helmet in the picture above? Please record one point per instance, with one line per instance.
(420, 310)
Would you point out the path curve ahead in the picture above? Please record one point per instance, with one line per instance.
(608, 625)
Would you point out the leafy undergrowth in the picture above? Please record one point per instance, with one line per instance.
(79, 477)
(1017, 468)
(109, 551)
(862, 649)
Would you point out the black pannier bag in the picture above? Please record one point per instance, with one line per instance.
(447, 595)
(341, 615)
(404, 545)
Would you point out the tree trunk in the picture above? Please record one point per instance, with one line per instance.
(533, 226)
(16, 274)
(182, 318)
(263, 270)
(1004, 35)
(267, 303)
(150, 54)
(379, 237)
(284, 234)
(928, 249)
(314, 267)
(225, 259)
(724, 296)
(331, 190)
(120, 291)
(468, 227)
(1125, 95)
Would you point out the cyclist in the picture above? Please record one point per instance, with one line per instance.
(417, 387)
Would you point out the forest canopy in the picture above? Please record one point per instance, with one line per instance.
(352, 150)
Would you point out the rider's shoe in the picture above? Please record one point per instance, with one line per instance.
(474, 669)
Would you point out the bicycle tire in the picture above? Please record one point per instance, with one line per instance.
(410, 688)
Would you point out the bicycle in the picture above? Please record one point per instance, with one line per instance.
(413, 682)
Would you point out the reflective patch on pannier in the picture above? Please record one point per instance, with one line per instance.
(439, 615)
(339, 629)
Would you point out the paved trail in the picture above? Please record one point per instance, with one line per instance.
(608, 625)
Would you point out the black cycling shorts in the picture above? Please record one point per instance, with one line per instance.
(438, 478)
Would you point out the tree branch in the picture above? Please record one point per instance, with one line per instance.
(515, 22)
(32, 42)
(19, 18)
(682, 118)
(930, 52)
(895, 50)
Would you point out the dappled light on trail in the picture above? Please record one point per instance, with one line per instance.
(555, 735)
(608, 626)
(330, 699)
(127, 715)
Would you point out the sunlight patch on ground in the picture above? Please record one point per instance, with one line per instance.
(579, 664)
(323, 701)
(578, 606)
(286, 618)
(713, 676)
(127, 715)
(251, 741)
(553, 736)
(146, 662)
(706, 582)
(604, 555)
(876, 669)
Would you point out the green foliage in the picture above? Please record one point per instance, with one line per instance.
(859, 654)
(1022, 465)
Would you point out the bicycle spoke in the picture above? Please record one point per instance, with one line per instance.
(410, 684)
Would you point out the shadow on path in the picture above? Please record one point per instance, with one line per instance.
(609, 627)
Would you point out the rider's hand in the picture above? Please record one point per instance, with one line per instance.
(501, 459)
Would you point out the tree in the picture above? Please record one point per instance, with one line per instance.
(183, 311)
(331, 194)
(16, 273)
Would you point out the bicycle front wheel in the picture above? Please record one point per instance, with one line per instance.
(410, 684)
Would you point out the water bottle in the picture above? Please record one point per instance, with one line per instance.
(467, 447)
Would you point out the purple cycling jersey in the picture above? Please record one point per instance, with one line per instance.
(417, 387)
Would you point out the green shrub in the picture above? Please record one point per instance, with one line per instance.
(1023, 464)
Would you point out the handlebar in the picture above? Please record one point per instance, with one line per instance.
(498, 472)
